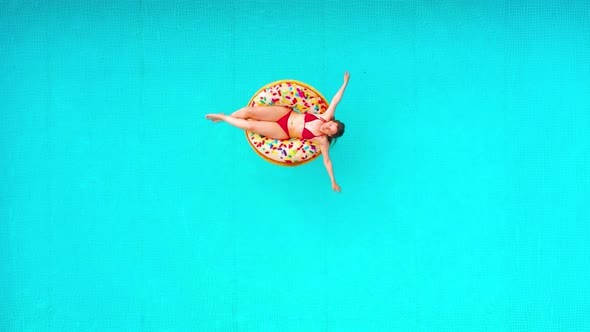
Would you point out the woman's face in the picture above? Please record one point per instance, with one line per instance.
(329, 128)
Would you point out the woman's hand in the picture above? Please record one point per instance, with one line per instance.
(346, 77)
(336, 187)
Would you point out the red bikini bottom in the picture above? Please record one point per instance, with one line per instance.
(284, 123)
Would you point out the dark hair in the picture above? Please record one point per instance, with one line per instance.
(339, 132)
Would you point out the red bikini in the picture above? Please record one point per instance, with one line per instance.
(305, 134)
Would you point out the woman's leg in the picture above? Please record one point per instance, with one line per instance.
(262, 113)
(265, 128)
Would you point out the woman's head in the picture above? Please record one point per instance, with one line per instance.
(333, 129)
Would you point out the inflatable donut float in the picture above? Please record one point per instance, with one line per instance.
(303, 99)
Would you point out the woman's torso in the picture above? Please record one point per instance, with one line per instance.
(297, 124)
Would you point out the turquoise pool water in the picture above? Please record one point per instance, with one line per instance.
(465, 167)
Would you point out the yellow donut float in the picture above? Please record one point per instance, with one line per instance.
(303, 99)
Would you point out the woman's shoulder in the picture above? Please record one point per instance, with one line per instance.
(322, 140)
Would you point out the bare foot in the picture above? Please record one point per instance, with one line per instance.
(215, 117)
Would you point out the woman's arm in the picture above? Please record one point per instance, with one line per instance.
(329, 114)
(324, 148)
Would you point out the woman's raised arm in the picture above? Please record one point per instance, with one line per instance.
(329, 114)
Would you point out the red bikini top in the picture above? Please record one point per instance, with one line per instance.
(306, 134)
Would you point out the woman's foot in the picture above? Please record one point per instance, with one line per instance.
(215, 117)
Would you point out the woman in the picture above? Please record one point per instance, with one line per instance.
(281, 122)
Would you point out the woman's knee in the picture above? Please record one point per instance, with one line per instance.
(250, 125)
(242, 113)
(248, 111)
